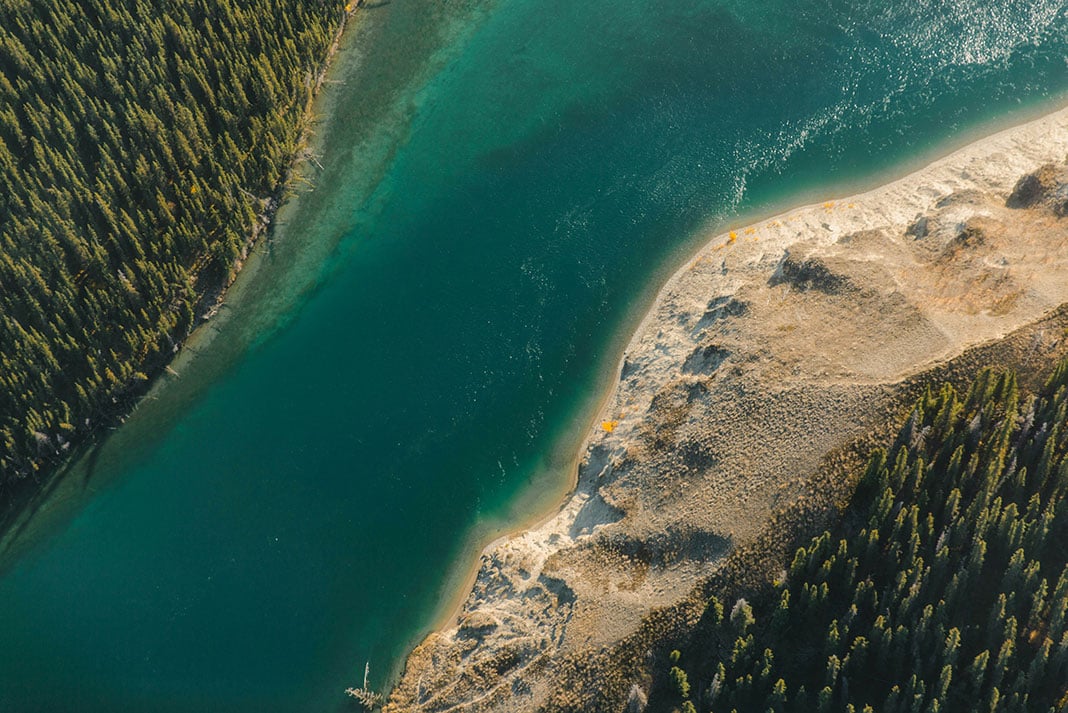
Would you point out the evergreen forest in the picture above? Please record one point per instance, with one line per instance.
(142, 144)
(944, 587)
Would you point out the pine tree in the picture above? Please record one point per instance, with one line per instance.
(979, 628)
(117, 210)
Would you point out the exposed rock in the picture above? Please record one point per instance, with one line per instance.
(772, 347)
(636, 700)
(809, 274)
(1044, 186)
(918, 229)
(476, 625)
(721, 308)
(705, 360)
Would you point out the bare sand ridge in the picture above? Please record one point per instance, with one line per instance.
(774, 345)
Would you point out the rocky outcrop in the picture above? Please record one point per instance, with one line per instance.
(1043, 187)
(775, 345)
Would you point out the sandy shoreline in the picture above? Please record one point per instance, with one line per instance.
(550, 558)
(1007, 141)
(479, 543)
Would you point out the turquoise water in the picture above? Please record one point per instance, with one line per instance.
(503, 183)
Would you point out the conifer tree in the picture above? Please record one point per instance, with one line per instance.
(138, 141)
(974, 486)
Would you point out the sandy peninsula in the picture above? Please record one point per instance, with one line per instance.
(776, 344)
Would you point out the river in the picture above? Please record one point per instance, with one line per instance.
(410, 364)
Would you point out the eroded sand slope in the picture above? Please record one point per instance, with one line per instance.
(774, 345)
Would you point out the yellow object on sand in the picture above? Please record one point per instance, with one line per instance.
(609, 426)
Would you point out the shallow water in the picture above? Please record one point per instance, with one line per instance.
(502, 184)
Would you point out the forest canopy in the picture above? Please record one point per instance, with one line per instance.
(944, 587)
(139, 142)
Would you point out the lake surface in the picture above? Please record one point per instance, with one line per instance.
(418, 352)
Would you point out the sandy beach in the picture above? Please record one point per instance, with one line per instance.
(798, 327)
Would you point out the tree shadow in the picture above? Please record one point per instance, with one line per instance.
(24, 502)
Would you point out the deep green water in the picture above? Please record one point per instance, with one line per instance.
(503, 184)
